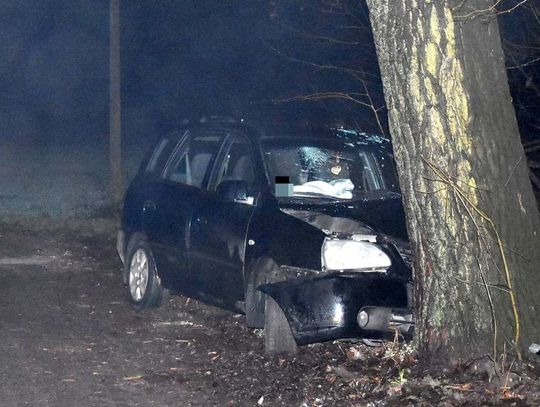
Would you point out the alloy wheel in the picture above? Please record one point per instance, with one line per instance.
(138, 275)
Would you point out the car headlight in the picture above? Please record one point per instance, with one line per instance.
(342, 254)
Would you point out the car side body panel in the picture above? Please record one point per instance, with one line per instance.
(217, 250)
(167, 223)
(284, 238)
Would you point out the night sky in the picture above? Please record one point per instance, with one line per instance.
(180, 59)
(53, 68)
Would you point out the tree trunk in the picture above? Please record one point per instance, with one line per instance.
(115, 136)
(471, 214)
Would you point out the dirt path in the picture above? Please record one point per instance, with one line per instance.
(69, 338)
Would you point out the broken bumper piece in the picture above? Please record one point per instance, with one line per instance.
(344, 305)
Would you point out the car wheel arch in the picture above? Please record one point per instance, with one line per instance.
(258, 273)
(254, 276)
(279, 333)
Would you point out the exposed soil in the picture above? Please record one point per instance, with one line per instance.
(69, 338)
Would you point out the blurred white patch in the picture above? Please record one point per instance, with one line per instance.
(24, 261)
(337, 317)
(521, 204)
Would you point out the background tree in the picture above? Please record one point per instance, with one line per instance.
(471, 213)
(115, 135)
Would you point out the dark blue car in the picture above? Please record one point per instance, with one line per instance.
(302, 229)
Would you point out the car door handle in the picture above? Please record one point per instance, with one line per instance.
(149, 206)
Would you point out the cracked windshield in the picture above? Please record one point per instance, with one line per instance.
(328, 168)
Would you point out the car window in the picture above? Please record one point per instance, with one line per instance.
(337, 169)
(237, 164)
(193, 159)
(157, 155)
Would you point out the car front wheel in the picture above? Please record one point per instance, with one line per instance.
(143, 283)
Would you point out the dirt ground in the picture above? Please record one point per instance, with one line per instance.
(69, 338)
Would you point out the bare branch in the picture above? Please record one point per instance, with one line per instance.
(323, 66)
(326, 95)
(490, 11)
(520, 66)
(322, 37)
(535, 180)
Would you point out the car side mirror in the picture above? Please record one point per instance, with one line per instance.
(233, 191)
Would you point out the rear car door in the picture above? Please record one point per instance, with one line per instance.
(169, 208)
(219, 228)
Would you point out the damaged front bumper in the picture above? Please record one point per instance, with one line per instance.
(332, 306)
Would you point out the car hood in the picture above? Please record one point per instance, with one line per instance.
(376, 213)
(328, 223)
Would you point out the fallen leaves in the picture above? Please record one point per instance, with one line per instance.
(133, 378)
(214, 356)
(460, 387)
(509, 395)
(354, 353)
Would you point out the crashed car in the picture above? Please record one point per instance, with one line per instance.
(301, 229)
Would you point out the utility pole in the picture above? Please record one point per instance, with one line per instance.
(115, 108)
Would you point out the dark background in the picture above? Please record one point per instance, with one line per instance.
(186, 59)
(180, 59)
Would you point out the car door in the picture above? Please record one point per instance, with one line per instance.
(168, 212)
(219, 227)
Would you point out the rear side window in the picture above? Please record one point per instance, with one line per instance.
(193, 160)
(157, 156)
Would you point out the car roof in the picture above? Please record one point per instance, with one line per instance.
(291, 130)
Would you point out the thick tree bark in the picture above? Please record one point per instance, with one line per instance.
(471, 213)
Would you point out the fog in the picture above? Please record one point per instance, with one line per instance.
(180, 59)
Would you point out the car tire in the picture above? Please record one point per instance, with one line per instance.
(278, 336)
(259, 271)
(143, 284)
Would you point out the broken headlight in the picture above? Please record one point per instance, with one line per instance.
(347, 254)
